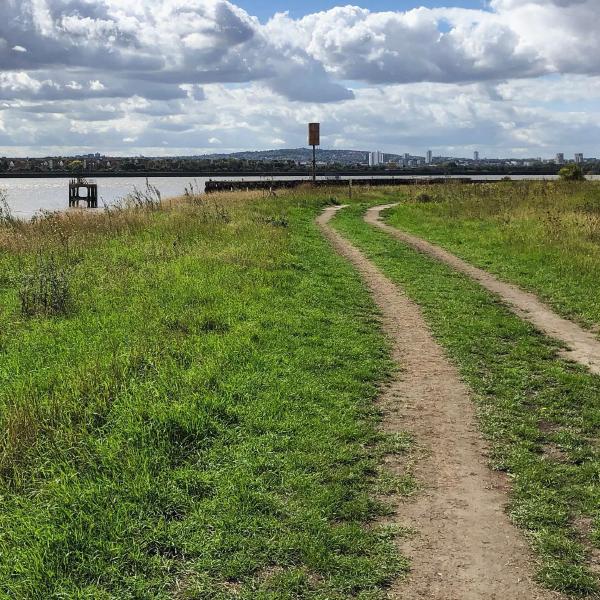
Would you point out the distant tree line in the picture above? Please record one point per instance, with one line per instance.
(226, 165)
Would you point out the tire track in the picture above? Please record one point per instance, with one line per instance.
(582, 346)
(465, 547)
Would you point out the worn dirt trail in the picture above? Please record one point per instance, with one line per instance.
(582, 346)
(464, 547)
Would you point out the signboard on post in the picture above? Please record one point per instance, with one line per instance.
(314, 140)
(314, 134)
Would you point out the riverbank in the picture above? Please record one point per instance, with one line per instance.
(30, 196)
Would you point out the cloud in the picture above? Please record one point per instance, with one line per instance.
(210, 41)
(354, 43)
(564, 32)
(152, 72)
(173, 42)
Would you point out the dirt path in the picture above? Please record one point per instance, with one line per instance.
(465, 547)
(583, 346)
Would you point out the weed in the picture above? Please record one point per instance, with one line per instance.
(147, 198)
(194, 193)
(45, 289)
(423, 197)
(275, 220)
(7, 219)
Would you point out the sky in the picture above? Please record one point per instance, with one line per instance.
(183, 77)
(300, 8)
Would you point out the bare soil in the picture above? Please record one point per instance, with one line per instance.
(582, 346)
(464, 546)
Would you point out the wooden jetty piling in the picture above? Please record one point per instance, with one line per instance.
(91, 192)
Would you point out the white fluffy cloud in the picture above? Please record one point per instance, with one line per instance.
(168, 75)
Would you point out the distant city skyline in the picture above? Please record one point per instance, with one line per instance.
(506, 78)
(370, 158)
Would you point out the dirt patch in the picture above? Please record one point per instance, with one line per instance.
(554, 453)
(585, 528)
(582, 346)
(465, 547)
(548, 427)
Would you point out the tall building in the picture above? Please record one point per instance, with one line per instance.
(429, 158)
(579, 158)
(376, 158)
(560, 158)
(476, 156)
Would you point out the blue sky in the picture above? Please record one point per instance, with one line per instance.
(299, 8)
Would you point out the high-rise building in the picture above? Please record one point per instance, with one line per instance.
(476, 156)
(560, 158)
(579, 158)
(429, 158)
(376, 158)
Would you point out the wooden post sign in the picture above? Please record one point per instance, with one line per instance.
(314, 134)
(314, 140)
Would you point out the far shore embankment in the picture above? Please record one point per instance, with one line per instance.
(294, 173)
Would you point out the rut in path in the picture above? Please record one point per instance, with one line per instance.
(464, 547)
(582, 346)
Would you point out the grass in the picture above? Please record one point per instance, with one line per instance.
(186, 392)
(200, 422)
(543, 236)
(540, 413)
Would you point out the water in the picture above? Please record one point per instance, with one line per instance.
(26, 197)
(29, 196)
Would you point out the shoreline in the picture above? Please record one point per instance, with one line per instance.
(296, 173)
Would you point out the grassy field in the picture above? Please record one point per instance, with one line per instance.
(545, 236)
(541, 414)
(186, 392)
(186, 407)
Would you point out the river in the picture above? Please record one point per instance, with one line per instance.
(26, 197)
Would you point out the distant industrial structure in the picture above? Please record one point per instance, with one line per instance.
(579, 158)
(560, 158)
(476, 156)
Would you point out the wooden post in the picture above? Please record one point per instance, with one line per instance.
(314, 140)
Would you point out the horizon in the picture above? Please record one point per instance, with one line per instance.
(506, 78)
(422, 154)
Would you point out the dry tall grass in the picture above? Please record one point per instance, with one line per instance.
(564, 208)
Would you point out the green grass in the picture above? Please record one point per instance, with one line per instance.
(197, 421)
(543, 236)
(541, 414)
